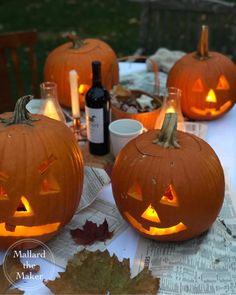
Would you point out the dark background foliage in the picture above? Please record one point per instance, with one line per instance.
(115, 22)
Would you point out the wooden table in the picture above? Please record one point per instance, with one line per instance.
(106, 162)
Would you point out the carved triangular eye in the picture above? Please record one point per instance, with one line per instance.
(49, 186)
(44, 166)
(23, 208)
(170, 197)
(223, 84)
(151, 214)
(197, 86)
(3, 194)
(135, 192)
(3, 176)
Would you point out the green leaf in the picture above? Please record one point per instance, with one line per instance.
(98, 272)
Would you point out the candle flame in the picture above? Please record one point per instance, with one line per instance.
(50, 110)
(170, 110)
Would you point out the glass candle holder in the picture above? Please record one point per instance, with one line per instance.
(171, 104)
(50, 106)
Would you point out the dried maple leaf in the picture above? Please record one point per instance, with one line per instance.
(14, 266)
(99, 273)
(91, 233)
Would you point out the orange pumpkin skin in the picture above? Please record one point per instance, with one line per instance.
(144, 171)
(43, 166)
(186, 74)
(65, 58)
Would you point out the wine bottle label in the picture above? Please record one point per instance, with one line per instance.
(95, 125)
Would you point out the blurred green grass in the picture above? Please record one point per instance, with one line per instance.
(115, 22)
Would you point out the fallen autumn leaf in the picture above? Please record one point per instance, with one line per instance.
(91, 233)
(99, 273)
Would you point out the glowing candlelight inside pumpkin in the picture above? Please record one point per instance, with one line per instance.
(74, 94)
(23, 208)
(211, 97)
(151, 214)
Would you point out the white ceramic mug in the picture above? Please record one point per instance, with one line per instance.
(121, 132)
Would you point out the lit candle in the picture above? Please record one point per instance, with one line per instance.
(51, 111)
(74, 94)
(171, 110)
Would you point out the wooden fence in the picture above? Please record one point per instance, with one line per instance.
(175, 24)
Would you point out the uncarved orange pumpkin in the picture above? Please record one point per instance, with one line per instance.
(78, 55)
(207, 80)
(169, 185)
(41, 176)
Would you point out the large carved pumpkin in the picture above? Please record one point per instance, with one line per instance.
(207, 80)
(166, 190)
(41, 176)
(78, 55)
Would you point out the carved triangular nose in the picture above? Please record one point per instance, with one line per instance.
(211, 97)
(23, 209)
(151, 214)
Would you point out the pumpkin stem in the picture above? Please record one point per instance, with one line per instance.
(76, 41)
(202, 49)
(21, 114)
(167, 136)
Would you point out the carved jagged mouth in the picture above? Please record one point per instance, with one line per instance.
(28, 231)
(156, 231)
(212, 111)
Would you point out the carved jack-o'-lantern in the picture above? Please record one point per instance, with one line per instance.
(164, 191)
(207, 80)
(41, 176)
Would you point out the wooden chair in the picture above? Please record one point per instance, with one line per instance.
(18, 67)
(176, 25)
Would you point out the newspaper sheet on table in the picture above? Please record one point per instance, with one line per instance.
(93, 209)
(94, 180)
(198, 129)
(204, 265)
(63, 247)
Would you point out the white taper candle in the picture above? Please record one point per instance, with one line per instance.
(74, 94)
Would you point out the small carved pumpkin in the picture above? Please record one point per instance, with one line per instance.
(41, 176)
(166, 190)
(207, 80)
(78, 55)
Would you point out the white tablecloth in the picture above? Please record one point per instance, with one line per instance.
(221, 136)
